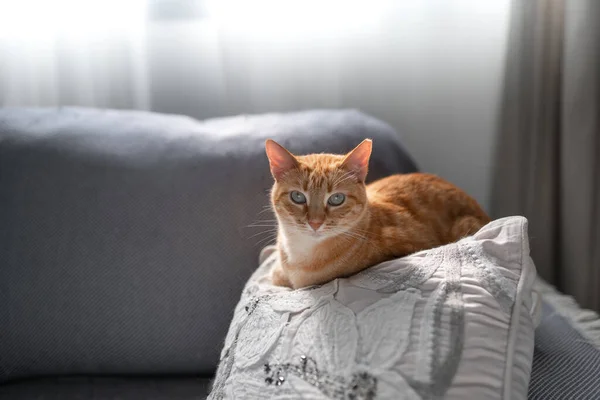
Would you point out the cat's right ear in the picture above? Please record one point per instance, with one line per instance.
(280, 160)
(358, 159)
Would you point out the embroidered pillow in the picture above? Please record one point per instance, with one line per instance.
(453, 322)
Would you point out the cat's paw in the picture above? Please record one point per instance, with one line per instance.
(279, 278)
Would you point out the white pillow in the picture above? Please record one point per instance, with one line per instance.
(454, 322)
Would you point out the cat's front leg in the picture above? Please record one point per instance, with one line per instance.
(279, 277)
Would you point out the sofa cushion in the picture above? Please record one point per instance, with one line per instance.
(107, 388)
(566, 361)
(124, 240)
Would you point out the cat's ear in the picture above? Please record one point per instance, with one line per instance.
(358, 159)
(280, 160)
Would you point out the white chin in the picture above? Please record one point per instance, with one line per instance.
(319, 235)
(308, 233)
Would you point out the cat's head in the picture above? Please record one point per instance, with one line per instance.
(318, 195)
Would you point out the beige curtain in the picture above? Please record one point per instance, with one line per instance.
(547, 163)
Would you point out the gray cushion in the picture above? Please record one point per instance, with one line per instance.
(565, 364)
(108, 388)
(124, 243)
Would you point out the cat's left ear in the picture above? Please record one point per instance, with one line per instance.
(358, 159)
(280, 159)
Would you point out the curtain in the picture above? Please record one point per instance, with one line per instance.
(430, 68)
(547, 164)
(73, 52)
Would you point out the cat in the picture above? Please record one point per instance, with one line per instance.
(332, 225)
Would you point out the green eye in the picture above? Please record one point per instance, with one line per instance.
(297, 197)
(336, 199)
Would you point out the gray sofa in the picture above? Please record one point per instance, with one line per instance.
(124, 241)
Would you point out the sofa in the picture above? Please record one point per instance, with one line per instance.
(126, 238)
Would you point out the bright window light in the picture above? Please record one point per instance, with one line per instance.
(292, 16)
(38, 18)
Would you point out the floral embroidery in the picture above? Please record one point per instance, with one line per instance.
(361, 386)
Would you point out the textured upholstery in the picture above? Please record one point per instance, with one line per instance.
(95, 388)
(124, 243)
(565, 364)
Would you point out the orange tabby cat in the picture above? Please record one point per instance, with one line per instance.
(332, 225)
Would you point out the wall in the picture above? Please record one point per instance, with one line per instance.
(432, 69)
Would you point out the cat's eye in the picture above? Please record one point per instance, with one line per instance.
(297, 197)
(336, 199)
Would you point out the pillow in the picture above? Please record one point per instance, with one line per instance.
(455, 322)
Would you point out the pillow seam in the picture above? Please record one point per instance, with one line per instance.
(513, 330)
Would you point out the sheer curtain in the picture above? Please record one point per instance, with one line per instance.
(430, 68)
(68, 52)
(548, 153)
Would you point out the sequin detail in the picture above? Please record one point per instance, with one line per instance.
(254, 302)
(361, 386)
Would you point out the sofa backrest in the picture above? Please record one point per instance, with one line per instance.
(124, 238)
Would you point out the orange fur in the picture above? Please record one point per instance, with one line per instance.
(389, 218)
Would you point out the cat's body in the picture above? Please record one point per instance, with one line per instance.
(320, 240)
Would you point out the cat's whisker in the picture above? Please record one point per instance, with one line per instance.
(264, 221)
(343, 233)
(268, 234)
(266, 240)
(260, 226)
(346, 239)
(265, 210)
(364, 241)
(268, 231)
(355, 236)
(345, 174)
(263, 244)
(343, 178)
(271, 227)
(366, 232)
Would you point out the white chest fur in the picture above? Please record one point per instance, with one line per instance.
(298, 247)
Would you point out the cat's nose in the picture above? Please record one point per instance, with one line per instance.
(315, 224)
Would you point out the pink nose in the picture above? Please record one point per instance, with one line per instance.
(315, 224)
